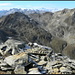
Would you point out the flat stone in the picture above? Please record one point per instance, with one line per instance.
(57, 65)
(52, 63)
(42, 63)
(73, 61)
(6, 68)
(3, 64)
(20, 58)
(71, 65)
(34, 71)
(63, 69)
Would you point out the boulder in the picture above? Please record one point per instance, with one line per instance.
(11, 46)
(17, 59)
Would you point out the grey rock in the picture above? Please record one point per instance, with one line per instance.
(3, 64)
(6, 68)
(43, 63)
(64, 69)
(20, 58)
(57, 65)
(20, 70)
(11, 46)
(55, 70)
(34, 71)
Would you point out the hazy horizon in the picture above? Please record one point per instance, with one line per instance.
(58, 5)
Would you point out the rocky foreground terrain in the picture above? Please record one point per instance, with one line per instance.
(16, 57)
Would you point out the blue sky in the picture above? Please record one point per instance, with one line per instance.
(37, 4)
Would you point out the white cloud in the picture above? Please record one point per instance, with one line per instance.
(5, 4)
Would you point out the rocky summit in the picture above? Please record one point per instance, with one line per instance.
(17, 57)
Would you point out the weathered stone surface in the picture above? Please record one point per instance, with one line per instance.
(64, 69)
(20, 70)
(9, 46)
(6, 68)
(34, 71)
(43, 63)
(57, 65)
(55, 70)
(20, 58)
(3, 64)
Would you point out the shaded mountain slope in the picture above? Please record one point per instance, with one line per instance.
(26, 28)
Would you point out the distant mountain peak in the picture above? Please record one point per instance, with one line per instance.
(25, 11)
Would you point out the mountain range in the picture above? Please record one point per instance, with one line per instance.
(54, 29)
(25, 11)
